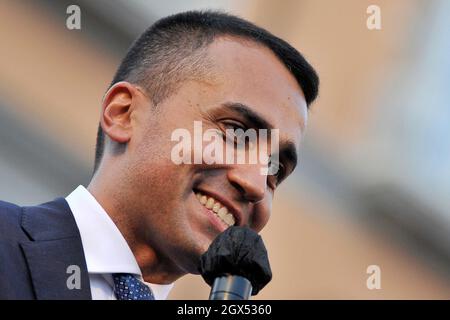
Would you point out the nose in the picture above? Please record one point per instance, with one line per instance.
(249, 181)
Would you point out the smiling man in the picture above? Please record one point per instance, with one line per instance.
(144, 220)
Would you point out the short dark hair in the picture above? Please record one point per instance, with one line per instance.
(173, 49)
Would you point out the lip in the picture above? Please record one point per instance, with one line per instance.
(214, 220)
(237, 214)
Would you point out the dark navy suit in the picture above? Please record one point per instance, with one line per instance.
(37, 246)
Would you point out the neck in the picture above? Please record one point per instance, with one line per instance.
(156, 267)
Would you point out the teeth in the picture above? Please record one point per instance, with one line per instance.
(209, 203)
(220, 210)
(229, 219)
(216, 207)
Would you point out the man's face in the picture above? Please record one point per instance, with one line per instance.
(252, 89)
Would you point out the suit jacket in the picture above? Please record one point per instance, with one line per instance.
(38, 246)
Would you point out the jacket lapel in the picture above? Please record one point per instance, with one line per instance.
(54, 253)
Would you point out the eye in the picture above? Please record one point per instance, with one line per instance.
(276, 178)
(233, 125)
(235, 131)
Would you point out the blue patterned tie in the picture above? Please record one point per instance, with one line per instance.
(128, 287)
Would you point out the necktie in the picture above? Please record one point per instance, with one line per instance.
(128, 287)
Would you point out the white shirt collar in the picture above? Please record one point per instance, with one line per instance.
(105, 249)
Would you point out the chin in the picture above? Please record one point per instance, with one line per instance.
(203, 246)
(186, 251)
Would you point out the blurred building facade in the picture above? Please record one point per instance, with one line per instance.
(374, 176)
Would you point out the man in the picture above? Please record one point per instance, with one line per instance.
(144, 220)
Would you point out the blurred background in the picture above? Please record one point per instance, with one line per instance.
(373, 184)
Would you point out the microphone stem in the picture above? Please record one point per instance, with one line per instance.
(231, 288)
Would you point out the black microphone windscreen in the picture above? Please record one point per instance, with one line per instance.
(237, 251)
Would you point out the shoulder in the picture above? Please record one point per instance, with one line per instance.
(9, 219)
(5, 206)
(50, 220)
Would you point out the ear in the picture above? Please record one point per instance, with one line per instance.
(117, 108)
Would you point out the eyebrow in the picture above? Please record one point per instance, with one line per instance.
(288, 149)
(251, 116)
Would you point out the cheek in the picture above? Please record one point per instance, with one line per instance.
(160, 199)
(156, 177)
(262, 213)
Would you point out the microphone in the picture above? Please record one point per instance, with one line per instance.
(230, 287)
(235, 265)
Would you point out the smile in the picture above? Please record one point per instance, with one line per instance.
(217, 208)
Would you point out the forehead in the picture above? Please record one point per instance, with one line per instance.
(251, 74)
